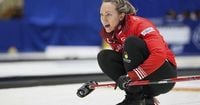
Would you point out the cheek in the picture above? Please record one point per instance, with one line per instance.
(101, 20)
(114, 22)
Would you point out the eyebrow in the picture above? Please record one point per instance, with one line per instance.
(106, 12)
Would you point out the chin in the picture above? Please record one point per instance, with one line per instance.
(108, 31)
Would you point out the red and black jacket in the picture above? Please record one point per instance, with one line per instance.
(144, 29)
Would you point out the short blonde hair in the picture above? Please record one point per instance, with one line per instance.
(123, 6)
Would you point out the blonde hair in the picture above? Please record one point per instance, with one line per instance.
(123, 6)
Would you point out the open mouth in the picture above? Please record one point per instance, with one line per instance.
(107, 26)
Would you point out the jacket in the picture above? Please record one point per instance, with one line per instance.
(146, 30)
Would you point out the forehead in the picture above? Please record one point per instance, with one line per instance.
(108, 7)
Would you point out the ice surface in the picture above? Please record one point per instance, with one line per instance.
(66, 95)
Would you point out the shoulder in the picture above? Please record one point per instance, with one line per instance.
(137, 20)
(135, 24)
(139, 25)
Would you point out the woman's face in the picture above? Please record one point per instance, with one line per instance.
(110, 17)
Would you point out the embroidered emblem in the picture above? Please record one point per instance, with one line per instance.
(125, 57)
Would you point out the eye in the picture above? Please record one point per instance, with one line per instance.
(108, 14)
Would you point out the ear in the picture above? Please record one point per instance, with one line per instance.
(122, 15)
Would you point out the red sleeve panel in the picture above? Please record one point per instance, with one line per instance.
(156, 47)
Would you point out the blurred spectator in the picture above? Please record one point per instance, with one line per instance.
(1, 1)
(197, 14)
(12, 13)
(11, 9)
(171, 15)
(171, 18)
(185, 16)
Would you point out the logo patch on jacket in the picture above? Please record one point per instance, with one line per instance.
(147, 30)
(125, 57)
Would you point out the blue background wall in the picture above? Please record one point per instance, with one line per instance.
(158, 8)
(71, 22)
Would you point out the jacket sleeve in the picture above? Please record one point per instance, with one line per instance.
(156, 47)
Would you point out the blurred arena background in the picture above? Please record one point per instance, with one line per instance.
(48, 42)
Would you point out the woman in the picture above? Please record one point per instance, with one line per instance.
(138, 53)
